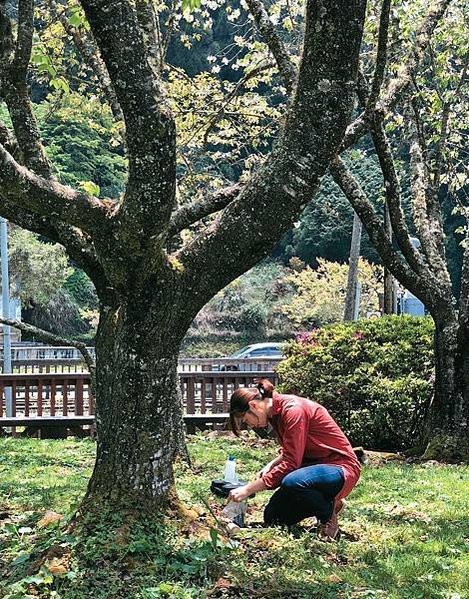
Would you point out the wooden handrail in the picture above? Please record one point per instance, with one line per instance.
(68, 394)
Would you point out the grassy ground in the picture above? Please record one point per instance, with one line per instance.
(405, 534)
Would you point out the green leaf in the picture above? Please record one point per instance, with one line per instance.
(34, 579)
(10, 528)
(21, 559)
(91, 188)
(190, 5)
(76, 19)
(59, 83)
(214, 537)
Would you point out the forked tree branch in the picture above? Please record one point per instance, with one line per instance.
(150, 130)
(247, 229)
(286, 67)
(392, 191)
(52, 338)
(378, 235)
(397, 87)
(78, 245)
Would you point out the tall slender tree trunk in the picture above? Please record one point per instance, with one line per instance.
(138, 406)
(448, 423)
(352, 278)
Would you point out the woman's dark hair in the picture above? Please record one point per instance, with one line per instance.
(239, 403)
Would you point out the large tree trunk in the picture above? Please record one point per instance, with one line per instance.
(448, 421)
(138, 407)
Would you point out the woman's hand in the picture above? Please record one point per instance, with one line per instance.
(239, 494)
(242, 493)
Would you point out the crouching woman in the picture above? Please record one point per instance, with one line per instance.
(316, 467)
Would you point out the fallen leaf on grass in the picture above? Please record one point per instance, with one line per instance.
(58, 566)
(222, 586)
(49, 518)
(223, 583)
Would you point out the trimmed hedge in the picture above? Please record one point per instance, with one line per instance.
(375, 377)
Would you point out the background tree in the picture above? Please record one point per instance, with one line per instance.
(149, 294)
(435, 110)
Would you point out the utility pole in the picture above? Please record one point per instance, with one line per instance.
(6, 311)
(351, 297)
(388, 302)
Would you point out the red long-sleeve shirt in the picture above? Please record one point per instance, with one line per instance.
(309, 435)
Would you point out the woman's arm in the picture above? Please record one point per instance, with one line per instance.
(271, 464)
(242, 493)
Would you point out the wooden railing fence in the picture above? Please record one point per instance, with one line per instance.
(63, 400)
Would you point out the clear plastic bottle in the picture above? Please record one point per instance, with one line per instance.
(230, 470)
(235, 512)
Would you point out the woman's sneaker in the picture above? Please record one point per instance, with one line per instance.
(329, 530)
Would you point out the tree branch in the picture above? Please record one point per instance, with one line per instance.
(8, 141)
(49, 198)
(441, 145)
(377, 233)
(397, 87)
(24, 38)
(148, 20)
(86, 46)
(392, 191)
(249, 226)
(188, 215)
(286, 67)
(52, 338)
(250, 75)
(150, 129)
(427, 218)
(381, 57)
(79, 247)
(464, 295)
(13, 86)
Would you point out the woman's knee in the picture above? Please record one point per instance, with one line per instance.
(291, 481)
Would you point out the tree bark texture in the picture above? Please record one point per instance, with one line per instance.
(448, 423)
(138, 405)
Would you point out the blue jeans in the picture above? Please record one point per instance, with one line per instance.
(305, 492)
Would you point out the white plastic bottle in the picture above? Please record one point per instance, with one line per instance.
(230, 470)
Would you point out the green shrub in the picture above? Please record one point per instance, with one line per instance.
(374, 376)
